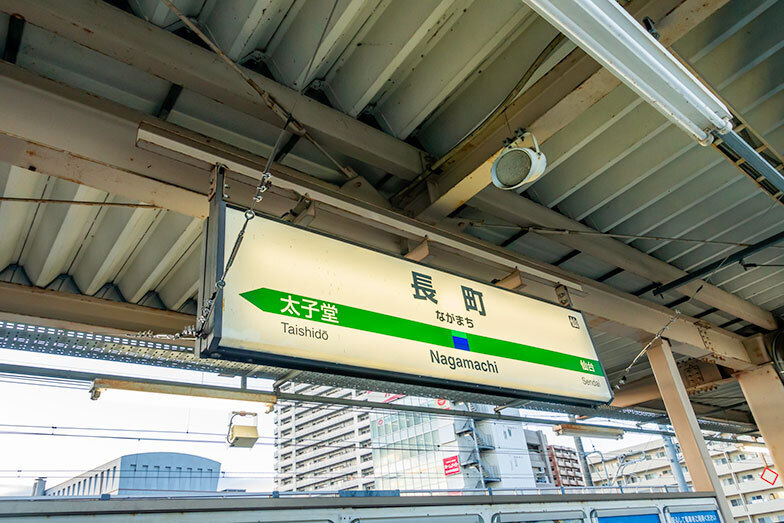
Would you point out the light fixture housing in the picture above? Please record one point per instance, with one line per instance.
(243, 436)
(604, 30)
(585, 431)
(518, 166)
(757, 448)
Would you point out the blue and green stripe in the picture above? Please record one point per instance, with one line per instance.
(270, 300)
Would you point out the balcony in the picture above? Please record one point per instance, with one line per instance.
(320, 419)
(341, 458)
(755, 485)
(765, 507)
(739, 466)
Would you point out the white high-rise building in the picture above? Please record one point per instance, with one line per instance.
(329, 447)
(322, 447)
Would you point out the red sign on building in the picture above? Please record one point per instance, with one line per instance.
(769, 476)
(451, 465)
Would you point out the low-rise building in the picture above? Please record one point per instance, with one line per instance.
(752, 499)
(148, 473)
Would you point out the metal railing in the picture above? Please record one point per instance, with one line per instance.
(490, 472)
(337, 493)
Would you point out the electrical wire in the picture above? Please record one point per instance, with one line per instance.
(659, 334)
(265, 181)
(498, 111)
(408, 447)
(267, 98)
(554, 231)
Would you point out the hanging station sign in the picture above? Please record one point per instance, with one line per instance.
(303, 300)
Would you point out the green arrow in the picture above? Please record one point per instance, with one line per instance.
(285, 304)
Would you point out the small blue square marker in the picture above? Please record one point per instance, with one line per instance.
(460, 342)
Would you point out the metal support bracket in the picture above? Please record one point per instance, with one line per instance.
(704, 329)
(562, 293)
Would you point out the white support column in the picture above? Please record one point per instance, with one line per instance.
(695, 452)
(764, 393)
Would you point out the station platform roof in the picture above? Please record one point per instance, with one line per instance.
(392, 88)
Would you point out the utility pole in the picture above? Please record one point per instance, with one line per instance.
(578, 444)
(675, 463)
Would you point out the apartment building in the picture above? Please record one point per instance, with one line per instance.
(322, 447)
(753, 500)
(565, 466)
(328, 447)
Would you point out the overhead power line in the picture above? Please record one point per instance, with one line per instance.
(581, 232)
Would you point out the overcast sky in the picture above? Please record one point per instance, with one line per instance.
(136, 415)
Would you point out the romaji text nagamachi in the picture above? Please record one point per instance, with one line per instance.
(462, 363)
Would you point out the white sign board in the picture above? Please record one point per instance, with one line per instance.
(295, 297)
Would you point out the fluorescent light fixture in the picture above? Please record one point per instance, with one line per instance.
(586, 431)
(756, 448)
(180, 389)
(605, 31)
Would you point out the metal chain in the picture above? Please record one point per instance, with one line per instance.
(291, 123)
(264, 185)
(265, 182)
(659, 334)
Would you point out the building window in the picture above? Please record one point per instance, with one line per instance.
(756, 499)
(747, 477)
(736, 502)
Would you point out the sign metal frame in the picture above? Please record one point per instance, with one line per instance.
(208, 344)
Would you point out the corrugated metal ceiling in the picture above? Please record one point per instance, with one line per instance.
(622, 168)
(428, 72)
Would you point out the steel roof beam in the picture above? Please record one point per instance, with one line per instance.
(97, 312)
(712, 267)
(517, 209)
(126, 38)
(697, 375)
(552, 103)
(51, 119)
(13, 38)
